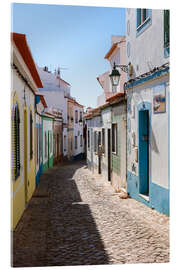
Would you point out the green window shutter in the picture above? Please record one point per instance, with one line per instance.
(138, 17)
(166, 28)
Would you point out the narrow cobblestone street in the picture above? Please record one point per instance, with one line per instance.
(75, 218)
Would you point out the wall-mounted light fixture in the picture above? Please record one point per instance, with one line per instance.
(115, 74)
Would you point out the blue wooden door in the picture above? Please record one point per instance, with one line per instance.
(144, 152)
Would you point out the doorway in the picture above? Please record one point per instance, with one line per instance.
(109, 154)
(144, 152)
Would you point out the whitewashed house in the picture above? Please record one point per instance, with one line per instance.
(56, 92)
(106, 154)
(148, 112)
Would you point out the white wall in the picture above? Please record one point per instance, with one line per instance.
(158, 137)
(146, 49)
(57, 100)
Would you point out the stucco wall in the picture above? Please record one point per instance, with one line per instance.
(145, 51)
(57, 100)
(18, 195)
(159, 134)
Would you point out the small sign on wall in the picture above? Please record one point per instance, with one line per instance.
(159, 98)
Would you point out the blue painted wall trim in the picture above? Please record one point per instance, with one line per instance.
(133, 188)
(148, 78)
(158, 198)
(39, 174)
(37, 99)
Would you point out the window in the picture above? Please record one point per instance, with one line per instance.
(103, 140)
(143, 19)
(80, 116)
(88, 139)
(166, 32)
(76, 116)
(81, 140)
(75, 142)
(31, 136)
(114, 138)
(16, 142)
(64, 142)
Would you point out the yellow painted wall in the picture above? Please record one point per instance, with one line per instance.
(17, 186)
(18, 191)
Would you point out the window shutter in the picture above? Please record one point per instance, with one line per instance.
(166, 28)
(138, 16)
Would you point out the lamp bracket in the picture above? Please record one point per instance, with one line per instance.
(123, 67)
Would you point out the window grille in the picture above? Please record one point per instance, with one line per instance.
(16, 157)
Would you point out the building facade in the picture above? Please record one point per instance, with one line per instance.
(40, 107)
(56, 92)
(148, 107)
(25, 82)
(47, 131)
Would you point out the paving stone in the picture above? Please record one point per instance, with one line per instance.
(76, 218)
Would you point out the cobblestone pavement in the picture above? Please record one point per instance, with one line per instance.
(75, 218)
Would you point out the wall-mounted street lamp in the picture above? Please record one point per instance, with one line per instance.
(115, 74)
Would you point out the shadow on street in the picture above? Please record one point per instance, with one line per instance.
(57, 228)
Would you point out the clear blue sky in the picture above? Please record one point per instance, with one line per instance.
(73, 37)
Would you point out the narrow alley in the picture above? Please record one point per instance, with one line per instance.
(75, 218)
